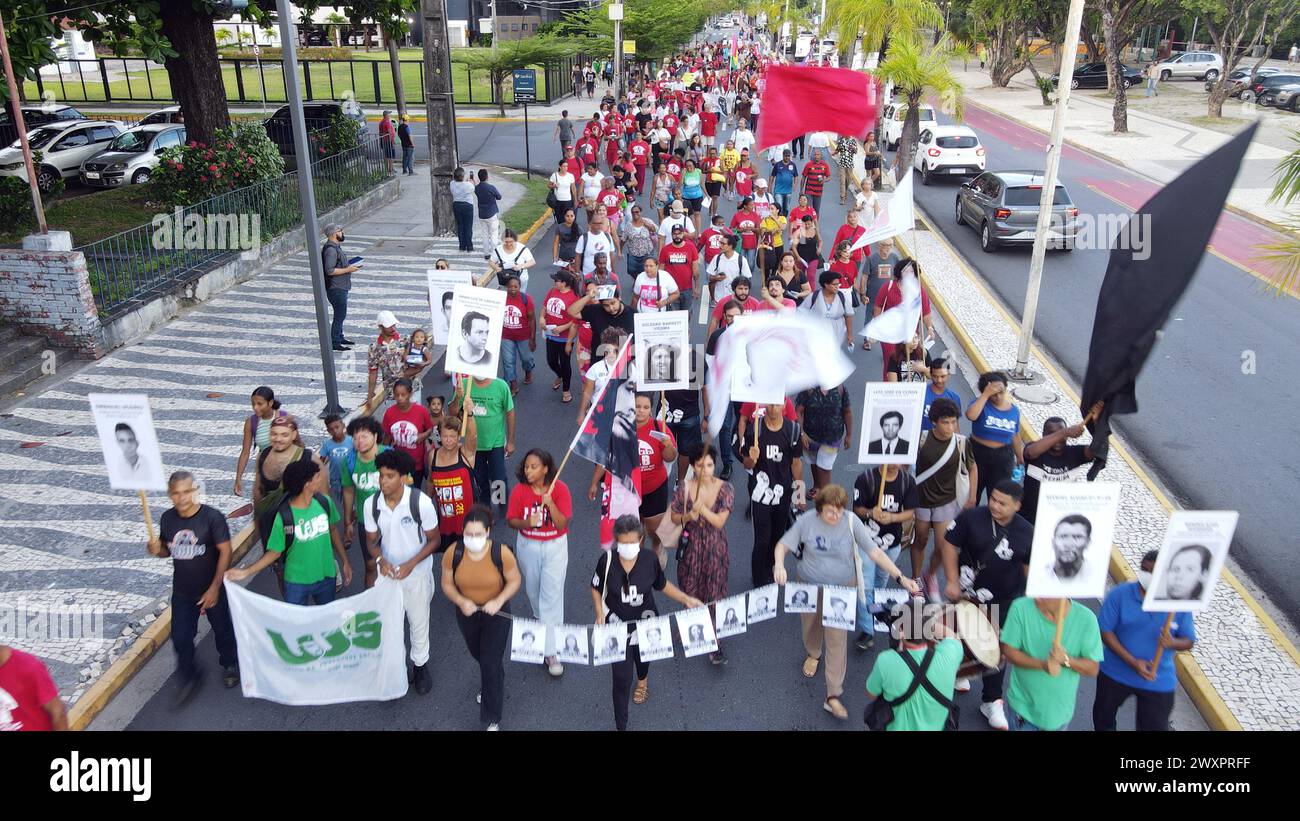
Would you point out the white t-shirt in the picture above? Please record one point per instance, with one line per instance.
(743, 138)
(591, 185)
(402, 539)
(666, 227)
(645, 290)
(513, 261)
(563, 183)
(661, 135)
(734, 267)
(819, 139)
(870, 203)
(589, 245)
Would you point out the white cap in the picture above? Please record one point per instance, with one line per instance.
(386, 319)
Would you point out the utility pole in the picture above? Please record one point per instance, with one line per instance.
(15, 102)
(307, 196)
(440, 106)
(495, 31)
(1034, 392)
(616, 14)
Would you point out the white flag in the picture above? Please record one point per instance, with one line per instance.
(897, 325)
(895, 217)
(349, 650)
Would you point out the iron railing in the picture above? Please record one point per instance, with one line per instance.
(131, 268)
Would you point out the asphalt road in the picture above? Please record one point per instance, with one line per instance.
(760, 689)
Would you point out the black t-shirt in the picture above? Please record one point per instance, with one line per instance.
(193, 545)
(682, 405)
(774, 470)
(569, 236)
(712, 345)
(601, 319)
(641, 119)
(900, 495)
(992, 557)
(1054, 468)
(630, 597)
(906, 374)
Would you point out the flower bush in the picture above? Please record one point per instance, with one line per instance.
(240, 155)
(340, 135)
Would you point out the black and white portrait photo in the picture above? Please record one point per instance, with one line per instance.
(662, 350)
(1190, 560)
(527, 641)
(442, 288)
(839, 607)
(891, 423)
(661, 364)
(1072, 540)
(570, 643)
(695, 628)
(474, 340)
(762, 603)
(654, 642)
(730, 616)
(130, 445)
(800, 597)
(609, 643)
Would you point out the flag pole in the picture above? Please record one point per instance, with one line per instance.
(148, 523)
(1032, 389)
(1053, 668)
(1160, 648)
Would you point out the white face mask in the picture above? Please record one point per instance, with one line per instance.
(475, 544)
(1144, 579)
(628, 552)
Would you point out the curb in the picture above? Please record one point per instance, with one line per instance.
(1255, 218)
(532, 229)
(1201, 690)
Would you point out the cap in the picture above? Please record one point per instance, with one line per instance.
(678, 208)
(386, 319)
(760, 183)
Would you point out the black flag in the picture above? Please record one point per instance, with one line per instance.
(1137, 296)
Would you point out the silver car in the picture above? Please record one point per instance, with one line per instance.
(1003, 207)
(63, 145)
(131, 158)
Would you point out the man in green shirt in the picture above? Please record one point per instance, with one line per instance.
(891, 677)
(494, 416)
(1044, 677)
(360, 480)
(309, 564)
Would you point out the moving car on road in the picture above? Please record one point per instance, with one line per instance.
(896, 115)
(948, 150)
(64, 146)
(132, 156)
(1199, 65)
(1094, 75)
(1003, 207)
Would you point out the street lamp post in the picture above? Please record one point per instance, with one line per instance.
(616, 14)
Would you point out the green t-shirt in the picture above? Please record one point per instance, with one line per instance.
(1044, 700)
(891, 677)
(364, 478)
(491, 404)
(311, 556)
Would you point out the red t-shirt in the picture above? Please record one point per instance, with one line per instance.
(24, 679)
(586, 151)
(679, 262)
(575, 166)
(891, 294)
(640, 150)
(556, 311)
(766, 306)
(611, 153)
(403, 426)
(744, 181)
(711, 241)
(749, 409)
(850, 233)
(799, 212)
(670, 125)
(751, 305)
(848, 272)
(653, 471)
(593, 130)
(612, 200)
(708, 124)
(524, 500)
(746, 224)
(814, 175)
(674, 169)
(515, 327)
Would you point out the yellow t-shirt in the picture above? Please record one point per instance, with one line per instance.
(730, 158)
(777, 226)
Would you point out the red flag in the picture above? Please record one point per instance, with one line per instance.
(800, 99)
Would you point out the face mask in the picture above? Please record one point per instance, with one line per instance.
(475, 544)
(628, 552)
(342, 237)
(1144, 579)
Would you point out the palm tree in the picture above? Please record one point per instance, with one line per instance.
(1285, 253)
(879, 21)
(918, 72)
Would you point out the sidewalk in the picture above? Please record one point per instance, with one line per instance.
(68, 539)
(1155, 146)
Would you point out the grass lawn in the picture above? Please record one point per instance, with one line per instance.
(92, 217)
(524, 213)
(330, 80)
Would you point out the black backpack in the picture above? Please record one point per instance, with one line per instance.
(286, 518)
(458, 553)
(414, 497)
(880, 713)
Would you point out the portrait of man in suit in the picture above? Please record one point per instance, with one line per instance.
(891, 423)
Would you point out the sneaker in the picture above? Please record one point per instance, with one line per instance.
(865, 641)
(996, 715)
(187, 689)
(932, 588)
(230, 676)
(836, 708)
(554, 667)
(423, 679)
(726, 473)
(962, 685)
(341, 348)
(493, 727)
(348, 342)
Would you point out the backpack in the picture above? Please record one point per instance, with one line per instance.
(811, 301)
(352, 457)
(458, 553)
(414, 497)
(286, 519)
(880, 713)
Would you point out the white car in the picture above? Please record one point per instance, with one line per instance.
(64, 146)
(948, 150)
(895, 115)
(1199, 65)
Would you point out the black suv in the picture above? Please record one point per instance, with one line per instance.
(318, 115)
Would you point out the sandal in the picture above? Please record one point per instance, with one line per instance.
(566, 398)
(810, 667)
(835, 707)
(641, 693)
(557, 384)
(866, 344)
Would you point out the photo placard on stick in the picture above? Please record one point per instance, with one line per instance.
(663, 351)
(695, 628)
(762, 603)
(609, 643)
(654, 639)
(1190, 560)
(753, 379)
(527, 641)
(570, 643)
(127, 437)
(800, 597)
(732, 620)
(442, 287)
(1072, 540)
(891, 423)
(474, 346)
(839, 607)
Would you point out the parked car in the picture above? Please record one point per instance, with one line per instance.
(1241, 79)
(1003, 207)
(170, 114)
(33, 116)
(64, 146)
(1094, 75)
(279, 126)
(895, 115)
(1264, 85)
(1284, 96)
(944, 150)
(1200, 65)
(132, 156)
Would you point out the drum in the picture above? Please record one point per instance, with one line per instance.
(979, 638)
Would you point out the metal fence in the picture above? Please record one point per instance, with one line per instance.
(247, 81)
(131, 268)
